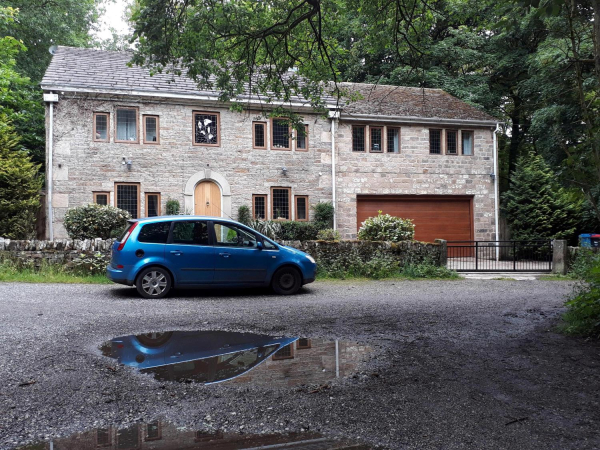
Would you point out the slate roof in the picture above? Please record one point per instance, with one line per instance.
(86, 70)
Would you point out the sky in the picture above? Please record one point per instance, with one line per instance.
(113, 18)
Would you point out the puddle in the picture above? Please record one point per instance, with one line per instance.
(219, 356)
(160, 435)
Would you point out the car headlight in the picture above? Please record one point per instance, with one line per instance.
(311, 259)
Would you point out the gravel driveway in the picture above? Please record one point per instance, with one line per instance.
(455, 364)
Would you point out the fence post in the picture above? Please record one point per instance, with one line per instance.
(443, 251)
(560, 253)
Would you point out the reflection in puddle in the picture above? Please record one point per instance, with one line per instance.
(218, 356)
(158, 435)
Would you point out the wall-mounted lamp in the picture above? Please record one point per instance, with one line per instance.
(127, 162)
(284, 171)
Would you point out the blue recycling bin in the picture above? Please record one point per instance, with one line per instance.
(589, 240)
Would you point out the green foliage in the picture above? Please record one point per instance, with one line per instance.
(94, 221)
(172, 207)
(297, 231)
(244, 215)
(427, 269)
(584, 261)
(386, 228)
(269, 228)
(583, 308)
(323, 215)
(11, 271)
(328, 234)
(379, 265)
(19, 186)
(90, 264)
(536, 206)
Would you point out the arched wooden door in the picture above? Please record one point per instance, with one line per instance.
(207, 199)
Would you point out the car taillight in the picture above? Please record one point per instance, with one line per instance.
(122, 244)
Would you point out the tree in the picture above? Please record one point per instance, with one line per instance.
(535, 205)
(20, 185)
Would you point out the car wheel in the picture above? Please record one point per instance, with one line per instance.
(153, 282)
(286, 281)
(154, 339)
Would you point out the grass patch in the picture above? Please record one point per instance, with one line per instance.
(558, 277)
(378, 269)
(47, 273)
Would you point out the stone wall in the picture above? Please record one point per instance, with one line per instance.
(61, 251)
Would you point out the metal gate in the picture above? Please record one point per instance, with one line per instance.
(500, 256)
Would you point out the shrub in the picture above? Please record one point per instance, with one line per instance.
(94, 264)
(378, 266)
(427, 269)
(328, 234)
(297, 231)
(584, 261)
(172, 207)
(323, 215)
(95, 221)
(583, 308)
(386, 228)
(244, 215)
(267, 227)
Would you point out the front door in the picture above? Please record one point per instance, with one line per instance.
(207, 199)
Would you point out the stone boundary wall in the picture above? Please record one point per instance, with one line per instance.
(64, 251)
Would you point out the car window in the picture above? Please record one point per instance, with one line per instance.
(232, 236)
(269, 246)
(191, 232)
(155, 233)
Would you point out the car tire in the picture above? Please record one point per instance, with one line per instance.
(154, 340)
(153, 282)
(286, 281)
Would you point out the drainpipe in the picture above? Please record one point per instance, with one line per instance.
(496, 207)
(51, 99)
(333, 115)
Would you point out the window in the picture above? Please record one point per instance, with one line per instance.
(393, 140)
(376, 134)
(435, 142)
(193, 232)
(286, 352)
(126, 125)
(103, 437)
(259, 207)
(358, 138)
(259, 135)
(280, 206)
(151, 135)
(101, 198)
(302, 208)
(206, 129)
(302, 139)
(153, 431)
(128, 438)
(128, 198)
(467, 143)
(101, 127)
(302, 343)
(451, 142)
(280, 134)
(232, 236)
(152, 205)
(155, 233)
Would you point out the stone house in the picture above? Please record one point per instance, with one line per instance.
(118, 136)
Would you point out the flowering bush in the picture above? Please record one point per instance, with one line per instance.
(95, 221)
(386, 228)
(328, 234)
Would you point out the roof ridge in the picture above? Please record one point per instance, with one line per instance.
(392, 85)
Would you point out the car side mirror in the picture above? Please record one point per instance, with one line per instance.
(259, 245)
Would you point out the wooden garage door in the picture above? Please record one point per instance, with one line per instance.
(435, 217)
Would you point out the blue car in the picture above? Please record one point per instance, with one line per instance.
(159, 253)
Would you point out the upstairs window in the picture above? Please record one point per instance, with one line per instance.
(358, 138)
(259, 207)
(206, 129)
(302, 139)
(280, 207)
(151, 130)
(393, 140)
(259, 135)
(451, 142)
(376, 134)
(435, 142)
(127, 125)
(153, 431)
(467, 143)
(101, 127)
(286, 352)
(280, 134)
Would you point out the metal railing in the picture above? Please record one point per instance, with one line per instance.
(500, 256)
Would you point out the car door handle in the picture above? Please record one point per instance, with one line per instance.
(176, 252)
(225, 255)
(176, 355)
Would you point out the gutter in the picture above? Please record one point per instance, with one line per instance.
(418, 120)
(333, 115)
(496, 202)
(51, 99)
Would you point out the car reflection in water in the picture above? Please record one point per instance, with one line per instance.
(199, 356)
